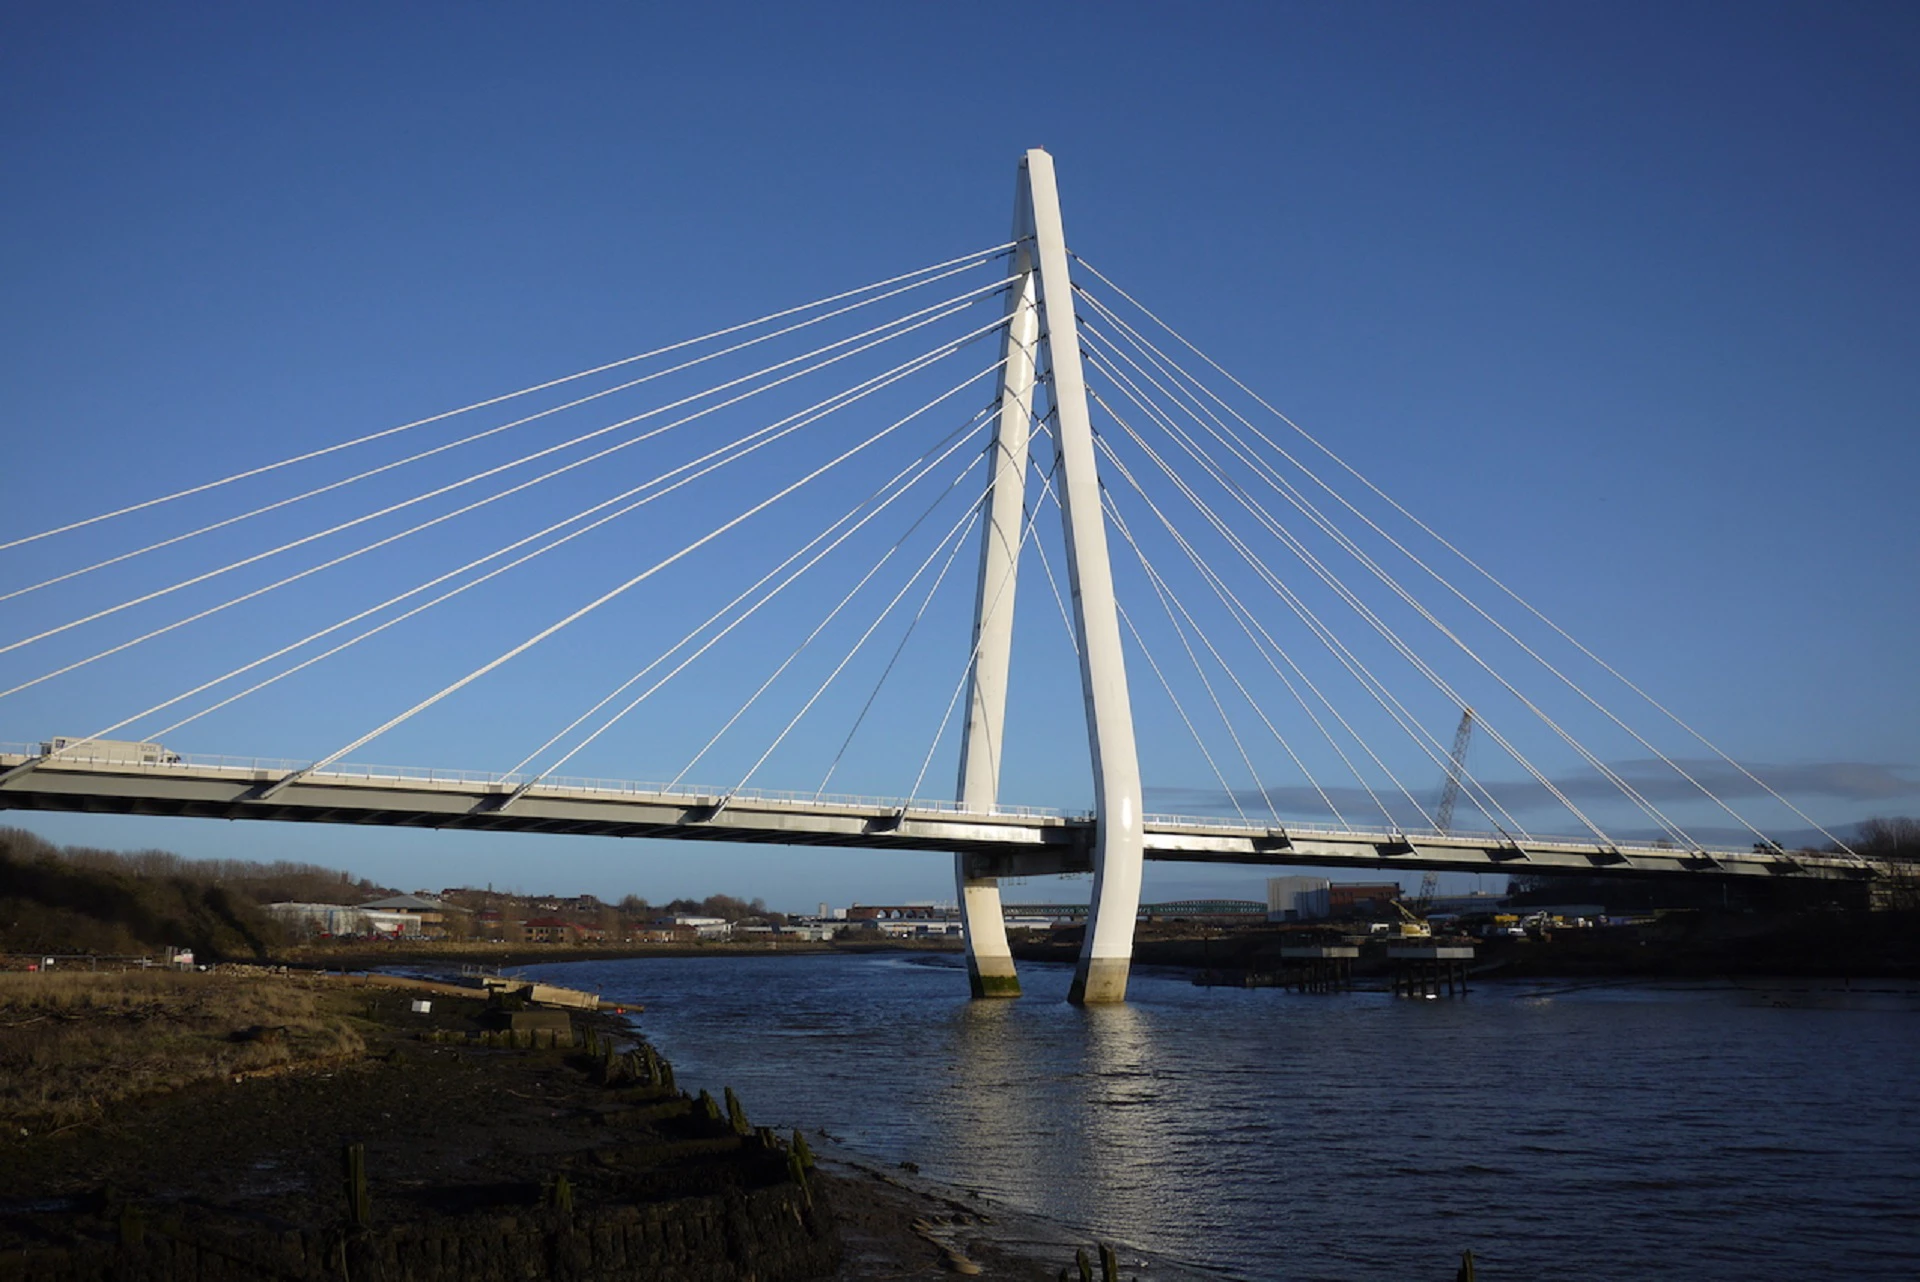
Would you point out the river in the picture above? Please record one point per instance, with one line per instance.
(1560, 1131)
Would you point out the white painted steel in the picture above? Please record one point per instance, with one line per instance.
(1118, 840)
(1014, 841)
(990, 969)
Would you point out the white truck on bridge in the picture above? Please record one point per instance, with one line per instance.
(144, 754)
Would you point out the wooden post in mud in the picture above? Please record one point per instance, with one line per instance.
(737, 1113)
(359, 1203)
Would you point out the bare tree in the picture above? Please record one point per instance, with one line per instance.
(1896, 837)
(1897, 840)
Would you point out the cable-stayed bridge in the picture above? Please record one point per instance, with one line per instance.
(1299, 637)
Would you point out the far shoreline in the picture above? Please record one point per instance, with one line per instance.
(495, 956)
(1681, 946)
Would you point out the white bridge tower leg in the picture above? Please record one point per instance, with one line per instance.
(1107, 954)
(989, 960)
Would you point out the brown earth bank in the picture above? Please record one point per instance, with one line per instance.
(480, 1156)
(1679, 945)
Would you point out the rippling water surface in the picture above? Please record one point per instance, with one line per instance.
(1703, 1132)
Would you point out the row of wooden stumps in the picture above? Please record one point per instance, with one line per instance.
(1083, 1266)
(647, 1067)
(556, 1194)
(506, 1039)
(642, 1066)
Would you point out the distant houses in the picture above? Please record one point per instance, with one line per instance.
(584, 920)
(550, 930)
(464, 914)
(485, 916)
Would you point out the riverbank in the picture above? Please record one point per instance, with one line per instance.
(477, 1155)
(945, 1223)
(452, 955)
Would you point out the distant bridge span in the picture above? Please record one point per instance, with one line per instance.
(1001, 843)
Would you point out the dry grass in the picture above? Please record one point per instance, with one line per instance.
(71, 1043)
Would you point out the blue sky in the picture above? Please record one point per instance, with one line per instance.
(1620, 298)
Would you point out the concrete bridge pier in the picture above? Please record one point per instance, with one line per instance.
(989, 960)
(1119, 841)
(990, 971)
(1040, 288)
(1106, 954)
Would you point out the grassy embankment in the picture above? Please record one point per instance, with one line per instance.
(74, 900)
(74, 1043)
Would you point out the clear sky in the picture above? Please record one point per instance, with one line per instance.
(1622, 298)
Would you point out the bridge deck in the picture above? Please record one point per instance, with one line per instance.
(1007, 842)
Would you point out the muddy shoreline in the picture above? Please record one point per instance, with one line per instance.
(485, 1154)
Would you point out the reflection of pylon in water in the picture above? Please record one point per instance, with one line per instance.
(1443, 818)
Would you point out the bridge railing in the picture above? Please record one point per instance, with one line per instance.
(176, 762)
(695, 792)
(1215, 823)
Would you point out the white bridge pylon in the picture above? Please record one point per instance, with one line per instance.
(1037, 278)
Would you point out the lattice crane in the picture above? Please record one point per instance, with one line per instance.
(1423, 902)
(1443, 818)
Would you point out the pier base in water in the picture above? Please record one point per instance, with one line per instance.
(990, 971)
(1099, 979)
(992, 977)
